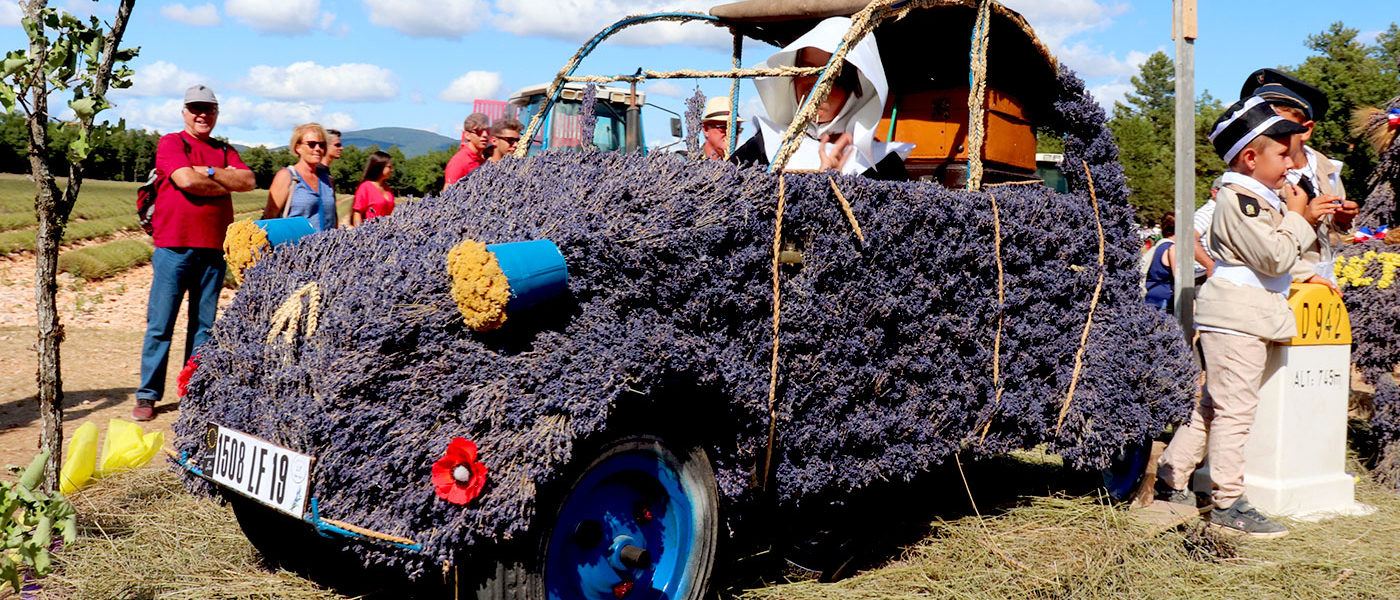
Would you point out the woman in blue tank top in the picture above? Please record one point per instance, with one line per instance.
(1160, 280)
(304, 189)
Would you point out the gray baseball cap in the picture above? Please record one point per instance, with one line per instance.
(200, 94)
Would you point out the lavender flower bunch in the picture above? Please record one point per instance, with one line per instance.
(588, 115)
(886, 345)
(694, 111)
(1374, 308)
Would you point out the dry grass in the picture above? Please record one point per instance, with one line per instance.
(1079, 548)
(142, 537)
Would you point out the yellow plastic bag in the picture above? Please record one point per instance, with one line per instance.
(127, 448)
(82, 458)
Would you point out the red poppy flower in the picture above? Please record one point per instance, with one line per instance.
(457, 476)
(183, 382)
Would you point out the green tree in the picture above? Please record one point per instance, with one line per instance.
(1208, 163)
(1143, 128)
(1351, 75)
(64, 54)
(1387, 51)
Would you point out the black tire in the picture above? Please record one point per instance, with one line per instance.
(283, 541)
(524, 577)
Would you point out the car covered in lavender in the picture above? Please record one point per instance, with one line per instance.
(700, 345)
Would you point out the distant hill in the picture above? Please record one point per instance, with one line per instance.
(412, 142)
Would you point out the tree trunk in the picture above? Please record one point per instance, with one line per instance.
(52, 219)
(53, 210)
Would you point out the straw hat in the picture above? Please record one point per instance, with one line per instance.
(717, 109)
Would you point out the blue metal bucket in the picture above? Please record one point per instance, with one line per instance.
(285, 231)
(535, 270)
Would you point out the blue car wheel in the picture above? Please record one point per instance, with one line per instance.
(638, 522)
(636, 518)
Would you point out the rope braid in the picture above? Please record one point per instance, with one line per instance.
(1093, 302)
(734, 98)
(846, 208)
(554, 86)
(977, 96)
(1001, 308)
(736, 73)
(862, 23)
(777, 316)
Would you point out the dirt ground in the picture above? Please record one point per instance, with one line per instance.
(104, 324)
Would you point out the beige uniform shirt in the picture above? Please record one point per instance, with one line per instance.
(1328, 182)
(1247, 231)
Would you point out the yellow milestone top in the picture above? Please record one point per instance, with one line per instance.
(1321, 315)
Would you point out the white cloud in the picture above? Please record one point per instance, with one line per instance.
(161, 116)
(349, 82)
(474, 85)
(1055, 21)
(1090, 63)
(448, 19)
(1109, 93)
(291, 17)
(235, 112)
(243, 113)
(666, 88)
(578, 20)
(10, 13)
(160, 78)
(204, 15)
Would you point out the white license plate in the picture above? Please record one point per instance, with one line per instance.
(260, 470)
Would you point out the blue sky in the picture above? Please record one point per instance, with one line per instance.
(356, 64)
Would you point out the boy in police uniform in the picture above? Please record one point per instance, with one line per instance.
(1313, 173)
(1257, 237)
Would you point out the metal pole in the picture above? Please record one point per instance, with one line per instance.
(1184, 32)
(634, 120)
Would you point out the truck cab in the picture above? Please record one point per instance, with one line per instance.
(563, 127)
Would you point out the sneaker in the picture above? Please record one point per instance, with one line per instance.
(1174, 496)
(145, 410)
(1243, 519)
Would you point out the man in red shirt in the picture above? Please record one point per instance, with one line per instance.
(193, 208)
(475, 133)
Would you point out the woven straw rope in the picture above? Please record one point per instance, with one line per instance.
(977, 96)
(538, 118)
(735, 73)
(1093, 303)
(1001, 307)
(732, 134)
(777, 317)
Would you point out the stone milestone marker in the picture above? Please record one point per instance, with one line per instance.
(1295, 461)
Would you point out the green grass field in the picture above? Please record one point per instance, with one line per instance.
(103, 208)
(105, 260)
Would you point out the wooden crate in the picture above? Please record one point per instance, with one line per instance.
(936, 122)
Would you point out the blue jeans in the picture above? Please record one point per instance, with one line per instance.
(199, 271)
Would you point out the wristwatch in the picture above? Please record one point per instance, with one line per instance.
(209, 171)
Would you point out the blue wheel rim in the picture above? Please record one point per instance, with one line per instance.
(612, 494)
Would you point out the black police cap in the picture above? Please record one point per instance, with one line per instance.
(1281, 88)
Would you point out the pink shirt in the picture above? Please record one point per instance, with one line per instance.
(371, 202)
(464, 161)
(183, 220)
